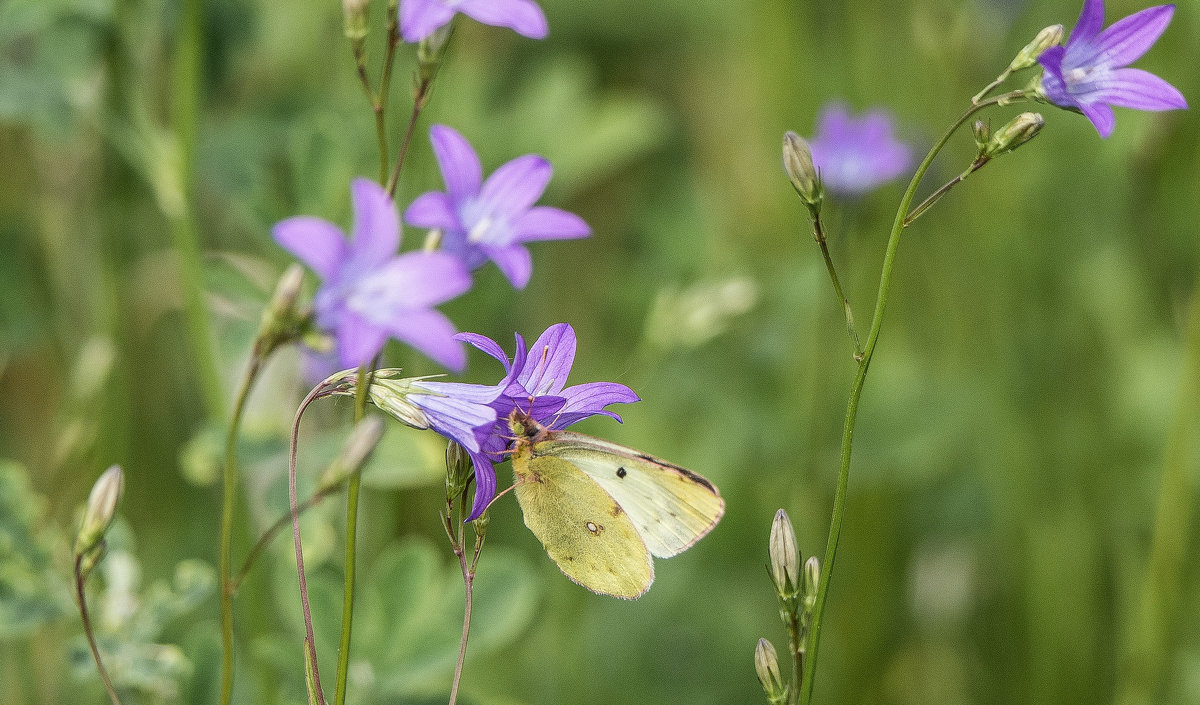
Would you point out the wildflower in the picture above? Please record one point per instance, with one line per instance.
(534, 383)
(367, 292)
(491, 220)
(1089, 73)
(421, 18)
(856, 154)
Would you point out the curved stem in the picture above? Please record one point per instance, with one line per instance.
(87, 630)
(819, 236)
(274, 529)
(352, 490)
(230, 490)
(309, 640)
(885, 280)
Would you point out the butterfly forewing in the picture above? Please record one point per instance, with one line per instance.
(585, 532)
(671, 507)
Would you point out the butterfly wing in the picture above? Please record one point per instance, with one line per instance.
(671, 507)
(583, 529)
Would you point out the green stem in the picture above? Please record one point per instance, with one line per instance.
(89, 632)
(352, 491)
(1148, 632)
(819, 236)
(885, 281)
(231, 487)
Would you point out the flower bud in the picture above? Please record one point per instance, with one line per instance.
(101, 507)
(355, 453)
(1045, 39)
(282, 321)
(798, 164)
(431, 50)
(355, 14)
(766, 664)
(459, 469)
(983, 133)
(785, 557)
(1017, 132)
(812, 580)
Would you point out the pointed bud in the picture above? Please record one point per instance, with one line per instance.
(766, 664)
(431, 50)
(1045, 39)
(798, 164)
(355, 453)
(282, 320)
(1017, 132)
(812, 580)
(983, 133)
(100, 510)
(785, 557)
(459, 469)
(355, 19)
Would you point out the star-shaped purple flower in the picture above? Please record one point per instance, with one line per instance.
(421, 18)
(1088, 74)
(856, 154)
(534, 383)
(491, 220)
(368, 293)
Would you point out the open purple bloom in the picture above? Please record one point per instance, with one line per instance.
(535, 383)
(492, 219)
(856, 154)
(368, 293)
(421, 18)
(1088, 74)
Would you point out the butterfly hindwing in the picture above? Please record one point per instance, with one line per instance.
(671, 507)
(585, 531)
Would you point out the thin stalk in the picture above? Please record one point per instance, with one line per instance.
(420, 99)
(945, 188)
(352, 491)
(457, 544)
(796, 646)
(885, 280)
(230, 498)
(310, 642)
(819, 236)
(1148, 632)
(88, 631)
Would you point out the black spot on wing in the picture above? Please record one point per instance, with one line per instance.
(621, 473)
(683, 471)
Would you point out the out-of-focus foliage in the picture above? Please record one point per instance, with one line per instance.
(1011, 439)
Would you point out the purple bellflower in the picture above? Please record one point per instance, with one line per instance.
(492, 219)
(535, 383)
(421, 18)
(368, 293)
(1089, 73)
(856, 154)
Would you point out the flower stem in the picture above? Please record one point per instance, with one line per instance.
(352, 490)
(420, 100)
(457, 544)
(89, 632)
(231, 486)
(310, 643)
(819, 236)
(1148, 632)
(885, 280)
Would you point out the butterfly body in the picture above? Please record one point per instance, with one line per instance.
(603, 510)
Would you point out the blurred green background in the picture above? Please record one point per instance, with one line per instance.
(1032, 383)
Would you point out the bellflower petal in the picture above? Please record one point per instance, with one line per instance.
(376, 226)
(594, 396)
(550, 360)
(524, 17)
(515, 262)
(432, 333)
(415, 280)
(485, 484)
(855, 155)
(358, 339)
(421, 18)
(315, 242)
(457, 161)
(1089, 74)
(487, 345)
(548, 223)
(432, 210)
(516, 186)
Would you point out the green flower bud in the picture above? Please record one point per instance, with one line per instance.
(785, 557)
(431, 50)
(100, 509)
(282, 320)
(1045, 39)
(812, 580)
(798, 164)
(459, 469)
(355, 13)
(766, 664)
(983, 133)
(1017, 132)
(355, 453)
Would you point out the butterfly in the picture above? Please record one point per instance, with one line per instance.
(603, 510)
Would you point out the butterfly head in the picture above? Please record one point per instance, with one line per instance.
(525, 428)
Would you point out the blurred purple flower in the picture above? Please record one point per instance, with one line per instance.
(491, 220)
(368, 293)
(856, 154)
(421, 18)
(534, 383)
(1088, 74)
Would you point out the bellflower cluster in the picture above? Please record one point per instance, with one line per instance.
(491, 220)
(1089, 73)
(856, 154)
(368, 293)
(421, 18)
(534, 383)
